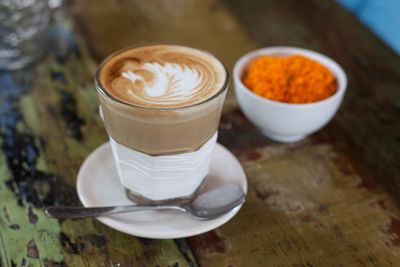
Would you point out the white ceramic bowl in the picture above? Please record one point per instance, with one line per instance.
(286, 122)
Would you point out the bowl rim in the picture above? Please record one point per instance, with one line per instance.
(332, 65)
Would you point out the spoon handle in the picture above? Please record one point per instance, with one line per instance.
(64, 212)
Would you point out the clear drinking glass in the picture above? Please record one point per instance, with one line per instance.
(162, 154)
(23, 32)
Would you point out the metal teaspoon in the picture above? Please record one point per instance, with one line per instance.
(206, 206)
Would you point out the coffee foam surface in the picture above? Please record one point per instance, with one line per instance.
(163, 76)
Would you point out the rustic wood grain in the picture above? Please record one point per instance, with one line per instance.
(329, 200)
(365, 126)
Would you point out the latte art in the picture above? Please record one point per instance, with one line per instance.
(169, 83)
(165, 76)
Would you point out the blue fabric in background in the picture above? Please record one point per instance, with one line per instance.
(381, 16)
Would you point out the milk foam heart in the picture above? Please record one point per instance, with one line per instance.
(170, 82)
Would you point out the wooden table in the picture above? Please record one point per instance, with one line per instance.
(329, 200)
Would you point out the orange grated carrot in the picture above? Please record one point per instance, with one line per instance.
(294, 79)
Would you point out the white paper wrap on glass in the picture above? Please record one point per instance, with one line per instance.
(162, 177)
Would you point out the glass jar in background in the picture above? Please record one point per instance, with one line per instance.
(23, 32)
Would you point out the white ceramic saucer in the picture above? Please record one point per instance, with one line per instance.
(98, 185)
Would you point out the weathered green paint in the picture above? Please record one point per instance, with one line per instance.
(18, 229)
(59, 113)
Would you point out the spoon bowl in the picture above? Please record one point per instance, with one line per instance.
(215, 203)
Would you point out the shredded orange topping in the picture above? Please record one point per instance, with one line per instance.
(294, 79)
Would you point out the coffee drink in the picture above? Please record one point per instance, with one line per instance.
(161, 105)
(158, 89)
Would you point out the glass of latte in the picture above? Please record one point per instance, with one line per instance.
(161, 106)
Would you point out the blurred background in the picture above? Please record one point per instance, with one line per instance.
(381, 16)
